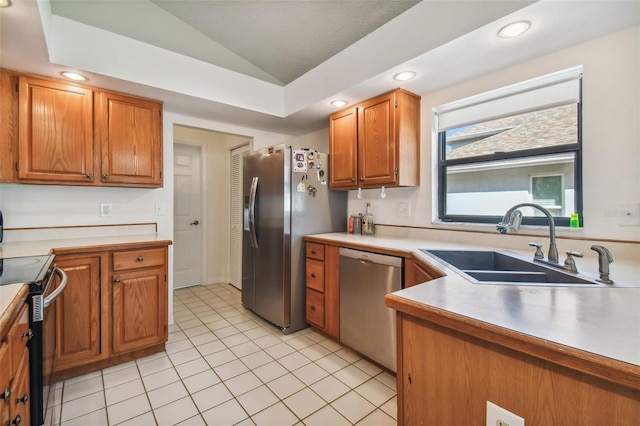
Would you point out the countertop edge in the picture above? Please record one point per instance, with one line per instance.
(586, 362)
(109, 246)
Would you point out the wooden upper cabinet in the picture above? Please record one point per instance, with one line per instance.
(376, 143)
(55, 135)
(343, 130)
(129, 132)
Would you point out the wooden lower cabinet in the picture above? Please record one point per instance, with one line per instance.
(139, 309)
(79, 317)
(446, 377)
(113, 309)
(323, 288)
(14, 372)
(417, 273)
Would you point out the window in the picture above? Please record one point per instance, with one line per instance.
(518, 144)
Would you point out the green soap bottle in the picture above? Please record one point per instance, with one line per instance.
(574, 221)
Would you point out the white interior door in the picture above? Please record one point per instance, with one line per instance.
(187, 226)
(235, 237)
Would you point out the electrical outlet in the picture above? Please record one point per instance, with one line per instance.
(498, 416)
(105, 209)
(161, 209)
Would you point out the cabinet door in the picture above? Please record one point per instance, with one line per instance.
(55, 135)
(377, 147)
(78, 312)
(129, 131)
(343, 146)
(139, 309)
(5, 379)
(20, 409)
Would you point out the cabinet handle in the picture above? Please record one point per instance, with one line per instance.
(28, 334)
(89, 175)
(15, 421)
(313, 275)
(361, 179)
(353, 179)
(313, 252)
(24, 399)
(313, 308)
(140, 259)
(6, 394)
(105, 176)
(116, 281)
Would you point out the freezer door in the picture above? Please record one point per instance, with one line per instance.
(266, 251)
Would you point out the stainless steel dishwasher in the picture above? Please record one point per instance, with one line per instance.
(366, 324)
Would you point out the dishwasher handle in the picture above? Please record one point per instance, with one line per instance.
(366, 257)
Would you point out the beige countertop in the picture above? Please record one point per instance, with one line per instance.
(604, 321)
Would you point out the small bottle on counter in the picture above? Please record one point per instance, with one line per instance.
(350, 224)
(367, 221)
(357, 224)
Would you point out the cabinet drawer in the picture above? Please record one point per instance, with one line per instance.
(18, 337)
(315, 275)
(134, 259)
(315, 308)
(315, 251)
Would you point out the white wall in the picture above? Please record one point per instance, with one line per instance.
(611, 138)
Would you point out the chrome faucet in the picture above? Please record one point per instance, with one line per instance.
(604, 259)
(513, 217)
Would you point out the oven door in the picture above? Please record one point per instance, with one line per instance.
(44, 348)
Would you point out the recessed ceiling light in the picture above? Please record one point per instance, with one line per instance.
(339, 103)
(404, 75)
(514, 29)
(5, 3)
(73, 76)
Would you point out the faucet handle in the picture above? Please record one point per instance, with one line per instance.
(570, 263)
(539, 254)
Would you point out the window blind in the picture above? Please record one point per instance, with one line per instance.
(559, 88)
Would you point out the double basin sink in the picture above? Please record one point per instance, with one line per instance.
(494, 267)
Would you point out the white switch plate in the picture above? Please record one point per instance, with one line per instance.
(105, 209)
(498, 416)
(403, 210)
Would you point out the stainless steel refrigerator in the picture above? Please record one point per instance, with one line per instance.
(286, 196)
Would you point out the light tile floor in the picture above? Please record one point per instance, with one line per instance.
(224, 365)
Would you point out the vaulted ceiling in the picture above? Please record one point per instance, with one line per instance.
(275, 65)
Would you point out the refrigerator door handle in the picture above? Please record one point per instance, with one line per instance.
(252, 212)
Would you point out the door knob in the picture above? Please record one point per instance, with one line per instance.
(195, 222)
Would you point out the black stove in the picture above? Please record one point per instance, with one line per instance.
(28, 269)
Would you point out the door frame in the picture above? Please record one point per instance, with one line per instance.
(203, 205)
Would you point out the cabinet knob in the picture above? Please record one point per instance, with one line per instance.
(361, 179)
(313, 252)
(116, 281)
(353, 179)
(6, 394)
(313, 275)
(105, 176)
(28, 334)
(140, 259)
(312, 307)
(24, 399)
(89, 175)
(15, 421)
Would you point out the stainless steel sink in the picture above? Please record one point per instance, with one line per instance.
(498, 267)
